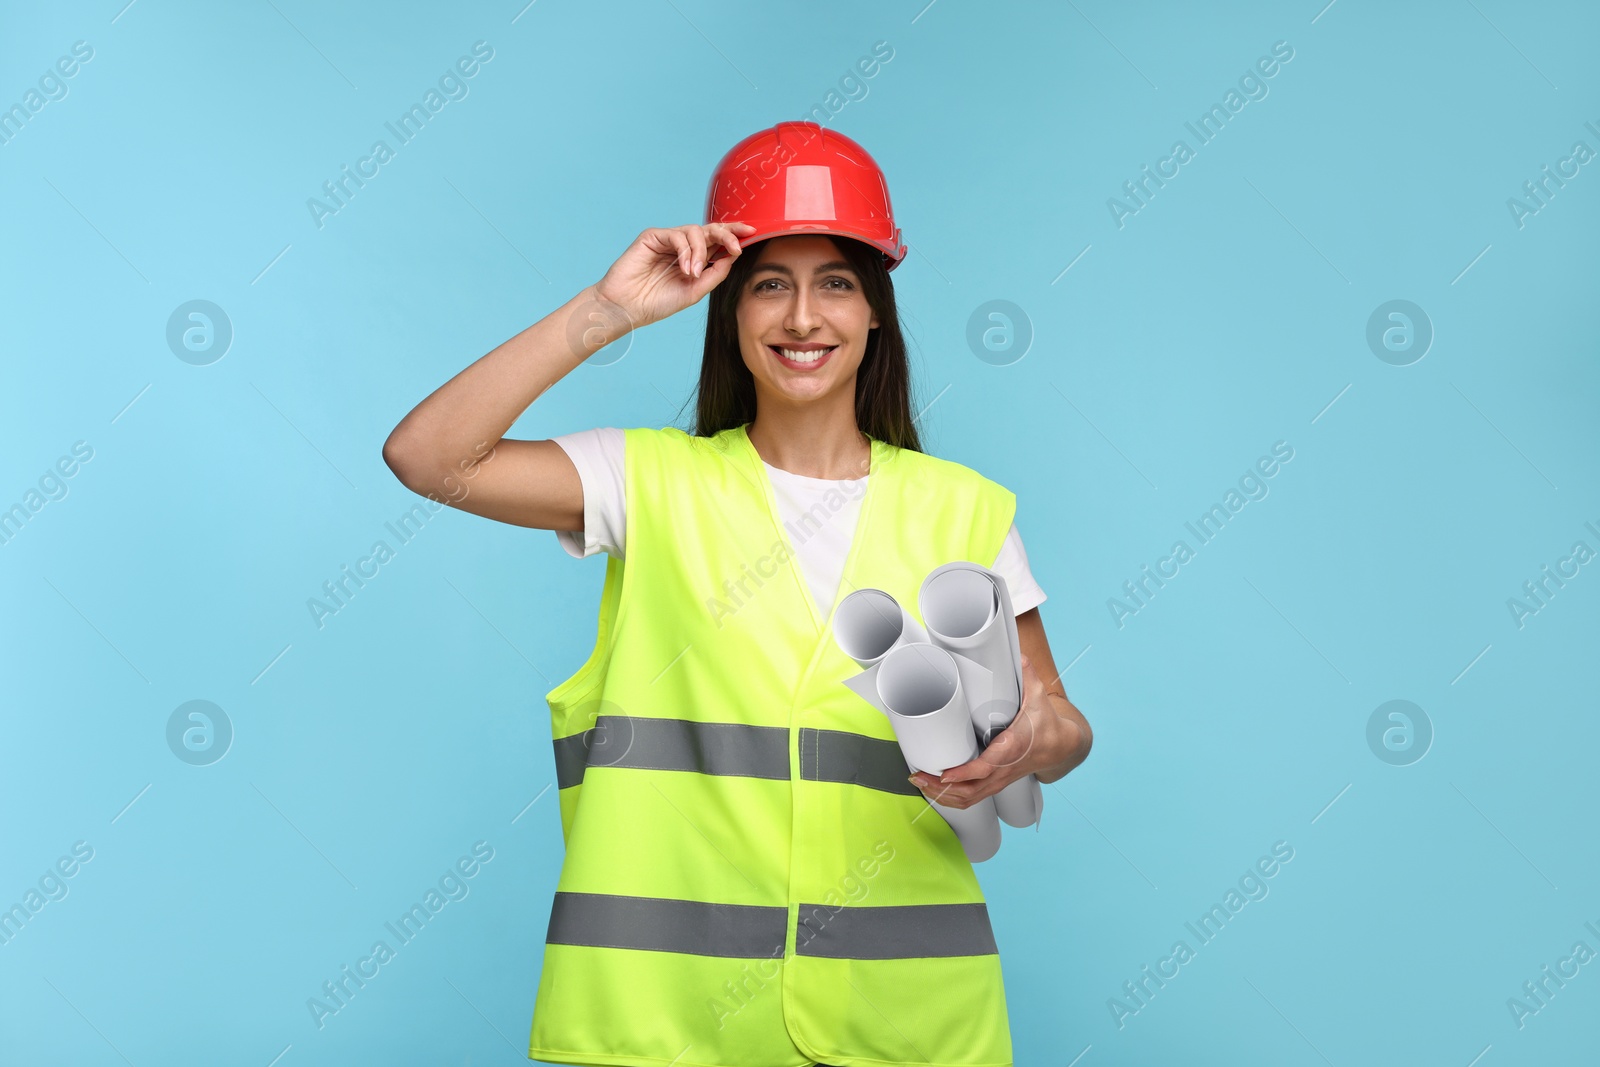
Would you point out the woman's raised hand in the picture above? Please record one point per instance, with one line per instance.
(666, 270)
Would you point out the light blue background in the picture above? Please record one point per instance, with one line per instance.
(1228, 314)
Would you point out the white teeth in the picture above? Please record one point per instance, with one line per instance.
(804, 357)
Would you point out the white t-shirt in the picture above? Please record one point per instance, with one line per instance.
(818, 514)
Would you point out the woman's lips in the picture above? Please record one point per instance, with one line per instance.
(796, 365)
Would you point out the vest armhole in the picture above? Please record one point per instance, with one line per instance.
(1009, 509)
(640, 446)
(989, 532)
(570, 692)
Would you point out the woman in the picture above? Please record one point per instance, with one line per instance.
(748, 877)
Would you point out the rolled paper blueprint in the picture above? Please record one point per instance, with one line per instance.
(870, 623)
(919, 688)
(1021, 802)
(961, 603)
(920, 691)
(968, 613)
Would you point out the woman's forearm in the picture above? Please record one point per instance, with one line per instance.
(477, 406)
(1071, 715)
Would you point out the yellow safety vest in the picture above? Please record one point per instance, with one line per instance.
(749, 877)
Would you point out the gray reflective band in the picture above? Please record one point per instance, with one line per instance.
(731, 749)
(662, 924)
(673, 745)
(841, 756)
(894, 932)
(572, 755)
(747, 931)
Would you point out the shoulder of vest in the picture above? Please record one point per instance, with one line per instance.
(673, 440)
(943, 485)
(936, 471)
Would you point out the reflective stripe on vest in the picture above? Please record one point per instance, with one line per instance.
(662, 925)
(731, 748)
(896, 931)
(903, 931)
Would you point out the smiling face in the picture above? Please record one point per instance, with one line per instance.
(803, 319)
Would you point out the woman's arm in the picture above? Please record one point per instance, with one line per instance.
(456, 436)
(451, 447)
(1035, 646)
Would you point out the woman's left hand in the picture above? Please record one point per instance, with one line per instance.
(1039, 737)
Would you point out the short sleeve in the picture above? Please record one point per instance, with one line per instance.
(1012, 565)
(598, 455)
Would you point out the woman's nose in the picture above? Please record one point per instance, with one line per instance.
(802, 313)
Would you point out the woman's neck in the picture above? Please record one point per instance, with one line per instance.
(813, 444)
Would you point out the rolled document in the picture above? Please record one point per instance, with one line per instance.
(967, 611)
(948, 684)
(919, 688)
(965, 614)
(870, 623)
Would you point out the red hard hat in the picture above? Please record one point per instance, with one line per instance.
(798, 177)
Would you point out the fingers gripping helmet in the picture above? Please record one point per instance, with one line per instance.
(797, 178)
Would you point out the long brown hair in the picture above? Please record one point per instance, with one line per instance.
(726, 396)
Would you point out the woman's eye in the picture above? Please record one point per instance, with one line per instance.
(843, 286)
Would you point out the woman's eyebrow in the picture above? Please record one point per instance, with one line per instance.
(837, 264)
